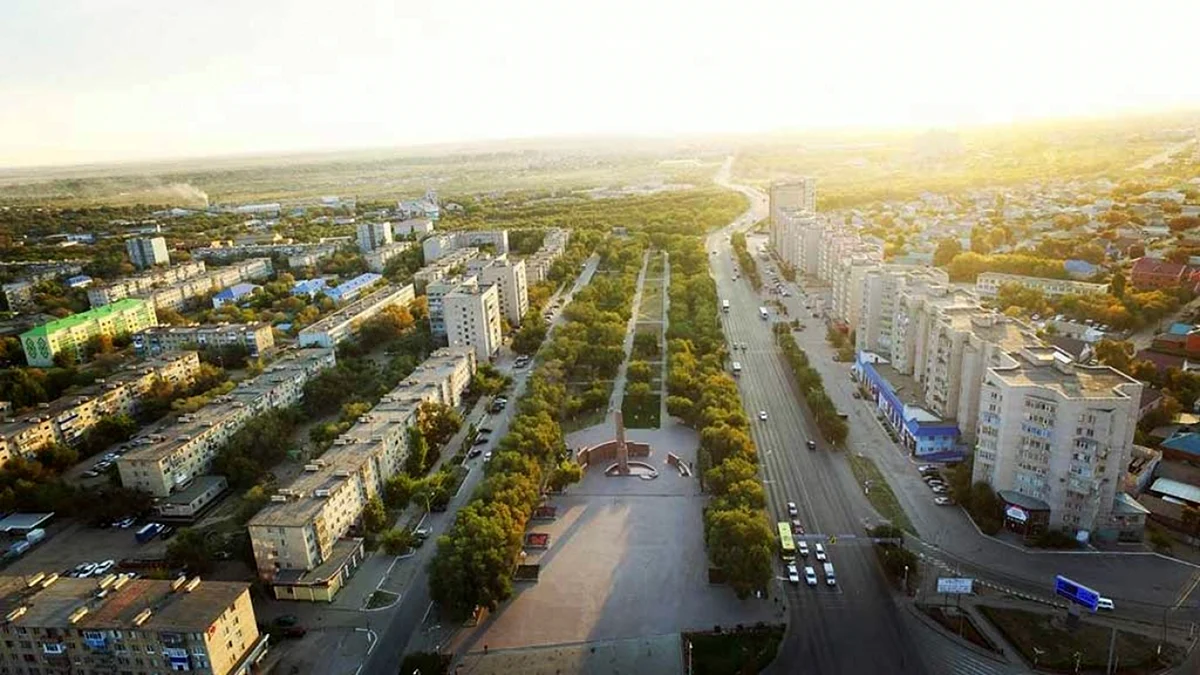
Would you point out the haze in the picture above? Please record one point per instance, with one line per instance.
(102, 80)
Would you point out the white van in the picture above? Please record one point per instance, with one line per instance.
(830, 578)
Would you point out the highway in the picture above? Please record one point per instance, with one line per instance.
(854, 627)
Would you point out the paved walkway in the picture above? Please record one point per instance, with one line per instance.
(650, 655)
(618, 392)
(666, 323)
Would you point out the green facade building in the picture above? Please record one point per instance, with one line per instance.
(71, 334)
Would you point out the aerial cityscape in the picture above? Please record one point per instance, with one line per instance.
(557, 339)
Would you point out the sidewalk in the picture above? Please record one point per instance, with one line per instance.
(618, 392)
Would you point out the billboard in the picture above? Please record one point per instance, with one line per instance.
(1077, 593)
(954, 586)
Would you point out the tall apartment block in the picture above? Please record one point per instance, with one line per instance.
(146, 252)
(71, 334)
(300, 538)
(439, 245)
(166, 460)
(117, 624)
(68, 419)
(372, 236)
(472, 319)
(509, 278)
(795, 195)
(554, 244)
(1059, 435)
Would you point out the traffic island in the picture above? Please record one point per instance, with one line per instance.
(1045, 642)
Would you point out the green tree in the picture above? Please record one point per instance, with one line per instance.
(472, 564)
(945, 251)
(1116, 354)
(193, 550)
(374, 516)
(564, 474)
(395, 541)
(438, 422)
(253, 501)
(1117, 286)
(528, 339)
(719, 479)
(740, 543)
(639, 371)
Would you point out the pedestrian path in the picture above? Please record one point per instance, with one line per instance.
(618, 392)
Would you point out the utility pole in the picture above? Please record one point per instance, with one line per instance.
(1112, 648)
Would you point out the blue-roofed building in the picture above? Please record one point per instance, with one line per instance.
(309, 287)
(1184, 445)
(898, 398)
(1080, 269)
(233, 294)
(351, 289)
(79, 281)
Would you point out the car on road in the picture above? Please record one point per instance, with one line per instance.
(933, 479)
(103, 568)
(792, 510)
(939, 489)
(475, 452)
(802, 548)
(820, 551)
(928, 468)
(422, 532)
(1105, 603)
(797, 528)
(167, 532)
(487, 456)
(812, 445)
(810, 576)
(481, 439)
(125, 523)
(485, 430)
(793, 573)
(943, 501)
(762, 415)
(83, 569)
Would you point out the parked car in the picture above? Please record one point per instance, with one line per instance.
(940, 489)
(286, 620)
(485, 430)
(820, 551)
(812, 445)
(168, 531)
(927, 468)
(1105, 604)
(943, 501)
(475, 452)
(487, 456)
(793, 573)
(810, 576)
(103, 568)
(481, 440)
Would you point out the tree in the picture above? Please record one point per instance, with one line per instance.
(438, 422)
(639, 371)
(374, 516)
(395, 541)
(740, 543)
(1116, 354)
(1117, 286)
(532, 333)
(193, 550)
(564, 474)
(725, 442)
(398, 490)
(745, 494)
(472, 564)
(418, 452)
(946, 250)
(719, 479)
(252, 502)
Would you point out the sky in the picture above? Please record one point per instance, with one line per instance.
(111, 80)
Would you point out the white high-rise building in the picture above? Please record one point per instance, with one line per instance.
(146, 252)
(1058, 433)
(509, 277)
(796, 195)
(472, 318)
(372, 236)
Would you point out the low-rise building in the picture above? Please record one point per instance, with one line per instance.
(71, 334)
(255, 338)
(899, 400)
(118, 624)
(166, 461)
(377, 259)
(988, 285)
(310, 287)
(300, 539)
(345, 322)
(234, 294)
(189, 503)
(1149, 273)
(142, 284)
(297, 254)
(413, 227)
(18, 296)
(67, 419)
(189, 291)
(349, 290)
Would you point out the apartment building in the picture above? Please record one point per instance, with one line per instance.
(67, 419)
(372, 236)
(349, 290)
(880, 300)
(345, 322)
(71, 334)
(988, 284)
(797, 237)
(190, 291)
(446, 266)
(435, 293)
(146, 252)
(795, 195)
(226, 251)
(255, 338)
(378, 259)
(18, 296)
(167, 459)
(118, 624)
(1150, 273)
(509, 278)
(300, 539)
(310, 257)
(412, 228)
(439, 245)
(1055, 437)
(472, 317)
(554, 244)
(142, 284)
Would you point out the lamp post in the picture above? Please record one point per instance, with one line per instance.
(906, 579)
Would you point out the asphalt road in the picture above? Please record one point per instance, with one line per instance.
(854, 627)
(414, 604)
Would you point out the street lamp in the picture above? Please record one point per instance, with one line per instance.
(906, 579)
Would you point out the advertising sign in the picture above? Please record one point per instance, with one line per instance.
(1077, 593)
(1016, 513)
(954, 586)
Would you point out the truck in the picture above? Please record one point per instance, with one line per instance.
(147, 532)
(737, 368)
(34, 536)
(725, 306)
(762, 313)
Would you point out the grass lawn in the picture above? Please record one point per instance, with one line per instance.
(381, 599)
(583, 421)
(644, 416)
(960, 624)
(651, 308)
(881, 495)
(738, 653)
(1057, 647)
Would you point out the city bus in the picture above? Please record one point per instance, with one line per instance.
(762, 312)
(725, 306)
(787, 547)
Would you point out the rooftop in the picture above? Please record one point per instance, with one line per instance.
(351, 311)
(1176, 489)
(122, 305)
(171, 610)
(1051, 369)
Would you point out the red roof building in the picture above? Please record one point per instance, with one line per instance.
(1156, 273)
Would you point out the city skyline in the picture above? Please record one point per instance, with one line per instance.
(122, 81)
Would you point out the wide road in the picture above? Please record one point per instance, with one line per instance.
(854, 627)
(414, 604)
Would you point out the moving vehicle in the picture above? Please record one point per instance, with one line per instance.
(762, 313)
(802, 547)
(725, 306)
(737, 368)
(787, 546)
(1105, 603)
(820, 549)
(147, 532)
(762, 415)
(943, 501)
(830, 577)
(810, 576)
(793, 573)
(812, 445)
(791, 507)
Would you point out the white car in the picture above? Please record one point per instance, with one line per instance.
(1105, 604)
(793, 573)
(810, 576)
(792, 510)
(820, 549)
(762, 415)
(943, 501)
(802, 548)
(103, 568)
(487, 456)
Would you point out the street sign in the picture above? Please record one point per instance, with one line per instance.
(1077, 593)
(954, 586)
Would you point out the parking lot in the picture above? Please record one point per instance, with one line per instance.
(70, 543)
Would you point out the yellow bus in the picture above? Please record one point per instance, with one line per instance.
(787, 547)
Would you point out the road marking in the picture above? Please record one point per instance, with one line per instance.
(1183, 595)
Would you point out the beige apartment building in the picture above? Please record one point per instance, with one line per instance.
(554, 244)
(142, 284)
(166, 459)
(130, 626)
(795, 195)
(345, 322)
(1058, 433)
(255, 338)
(450, 265)
(300, 539)
(67, 419)
(987, 285)
(509, 278)
(472, 317)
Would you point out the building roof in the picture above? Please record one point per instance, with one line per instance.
(171, 610)
(1022, 500)
(236, 291)
(1126, 505)
(1075, 348)
(1157, 266)
(1180, 329)
(1051, 369)
(1187, 441)
(24, 521)
(1179, 490)
(122, 305)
